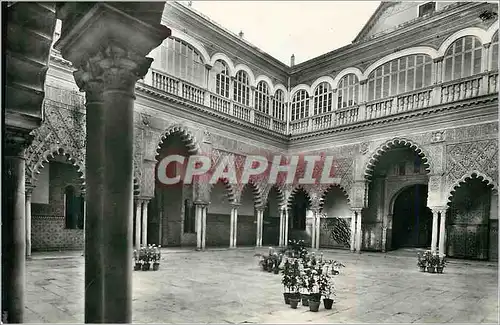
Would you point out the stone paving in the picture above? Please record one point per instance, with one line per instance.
(227, 286)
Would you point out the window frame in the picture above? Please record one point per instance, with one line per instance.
(299, 108)
(323, 99)
(262, 98)
(463, 53)
(348, 87)
(241, 88)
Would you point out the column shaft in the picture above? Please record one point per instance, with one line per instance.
(28, 223)
(13, 238)
(434, 239)
(353, 232)
(138, 210)
(358, 230)
(282, 228)
(285, 240)
(204, 227)
(318, 229)
(145, 222)
(198, 217)
(313, 231)
(442, 234)
(231, 229)
(235, 225)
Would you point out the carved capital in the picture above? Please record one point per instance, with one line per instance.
(363, 82)
(15, 142)
(487, 45)
(437, 60)
(113, 68)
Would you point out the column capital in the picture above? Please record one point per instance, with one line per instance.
(260, 208)
(208, 66)
(438, 59)
(357, 210)
(15, 142)
(363, 82)
(487, 45)
(28, 189)
(201, 203)
(234, 205)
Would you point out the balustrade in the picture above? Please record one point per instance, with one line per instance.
(486, 83)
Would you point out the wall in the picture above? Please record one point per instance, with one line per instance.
(48, 222)
(40, 193)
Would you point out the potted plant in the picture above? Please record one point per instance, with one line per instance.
(137, 265)
(422, 262)
(432, 263)
(294, 284)
(326, 289)
(276, 263)
(156, 257)
(312, 287)
(289, 280)
(146, 258)
(441, 264)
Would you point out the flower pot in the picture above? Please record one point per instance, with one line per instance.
(439, 269)
(305, 299)
(264, 267)
(156, 266)
(270, 268)
(294, 302)
(287, 295)
(146, 266)
(137, 266)
(422, 269)
(431, 269)
(328, 303)
(314, 305)
(276, 270)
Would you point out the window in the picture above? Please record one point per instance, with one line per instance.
(494, 52)
(426, 9)
(73, 209)
(323, 98)
(189, 218)
(222, 78)
(348, 91)
(399, 76)
(463, 58)
(242, 88)
(279, 105)
(300, 105)
(402, 169)
(183, 61)
(262, 97)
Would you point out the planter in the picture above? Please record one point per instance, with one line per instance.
(305, 299)
(314, 305)
(146, 266)
(422, 269)
(294, 302)
(137, 266)
(431, 269)
(439, 269)
(156, 266)
(287, 295)
(328, 303)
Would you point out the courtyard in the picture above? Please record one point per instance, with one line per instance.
(228, 286)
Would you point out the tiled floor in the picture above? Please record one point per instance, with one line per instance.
(227, 286)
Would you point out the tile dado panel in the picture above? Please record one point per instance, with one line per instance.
(49, 233)
(335, 233)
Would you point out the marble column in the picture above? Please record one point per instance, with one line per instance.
(145, 222)
(204, 226)
(14, 225)
(285, 235)
(434, 238)
(29, 191)
(138, 204)
(107, 48)
(318, 229)
(234, 226)
(353, 232)
(442, 233)
(199, 231)
(260, 226)
(358, 229)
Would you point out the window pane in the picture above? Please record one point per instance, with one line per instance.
(457, 67)
(448, 67)
(477, 61)
(467, 64)
(409, 82)
(427, 75)
(419, 77)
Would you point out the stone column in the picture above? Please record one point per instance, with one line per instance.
(231, 228)
(285, 242)
(434, 239)
(234, 226)
(318, 228)
(442, 233)
(14, 225)
(199, 220)
(282, 228)
(260, 226)
(358, 229)
(313, 228)
(353, 232)
(29, 191)
(145, 222)
(107, 48)
(204, 226)
(138, 204)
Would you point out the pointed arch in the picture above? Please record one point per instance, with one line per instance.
(256, 192)
(187, 137)
(388, 145)
(471, 175)
(50, 153)
(325, 192)
(279, 192)
(231, 191)
(296, 190)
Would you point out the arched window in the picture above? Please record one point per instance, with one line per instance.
(279, 105)
(222, 78)
(494, 52)
(183, 61)
(242, 88)
(399, 76)
(348, 91)
(323, 98)
(262, 97)
(463, 58)
(300, 105)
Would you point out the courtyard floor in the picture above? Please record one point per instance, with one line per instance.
(227, 286)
